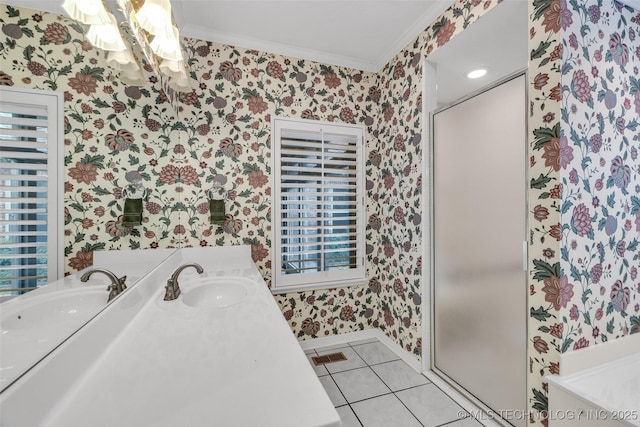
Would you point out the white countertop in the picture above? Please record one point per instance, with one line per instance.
(178, 365)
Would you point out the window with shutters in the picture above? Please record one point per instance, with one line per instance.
(31, 165)
(318, 205)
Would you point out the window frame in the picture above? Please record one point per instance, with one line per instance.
(53, 102)
(327, 277)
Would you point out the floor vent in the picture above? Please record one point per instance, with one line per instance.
(328, 358)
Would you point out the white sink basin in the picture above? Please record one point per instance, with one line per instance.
(54, 308)
(215, 292)
(31, 327)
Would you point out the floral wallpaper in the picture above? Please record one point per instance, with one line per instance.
(394, 178)
(117, 134)
(599, 293)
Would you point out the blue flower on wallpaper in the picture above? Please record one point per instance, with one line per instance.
(620, 174)
(618, 51)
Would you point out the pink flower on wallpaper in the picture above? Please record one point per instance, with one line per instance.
(581, 343)
(169, 174)
(558, 291)
(257, 105)
(257, 178)
(540, 345)
(310, 326)
(189, 175)
(620, 296)
(121, 141)
(618, 50)
(566, 153)
(331, 80)
(229, 72)
(581, 86)
(57, 33)
(83, 83)
(574, 313)
(84, 172)
(557, 16)
(346, 313)
(259, 252)
(81, 260)
(445, 31)
(596, 273)
(551, 154)
(581, 220)
(556, 330)
(620, 173)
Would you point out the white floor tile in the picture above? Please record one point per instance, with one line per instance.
(310, 351)
(320, 370)
(430, 405)
(368, 340)
(467, 422)
(347, 417)
(332, 390)
(375, 352)
(353, 360)
(397, 375)
(384, 411)
(359, 384)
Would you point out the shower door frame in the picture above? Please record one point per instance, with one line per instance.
(429, 108)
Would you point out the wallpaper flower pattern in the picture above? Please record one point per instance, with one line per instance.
(600, 291)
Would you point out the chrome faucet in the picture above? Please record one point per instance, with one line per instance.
(116, 286)
(172, 288)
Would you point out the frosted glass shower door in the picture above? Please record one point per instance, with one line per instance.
(479, 289)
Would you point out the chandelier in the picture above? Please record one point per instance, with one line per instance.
(148, 26)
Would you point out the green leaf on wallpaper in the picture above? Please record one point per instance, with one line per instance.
(100, 191)
(77, 117)
(633, 246)
(133, 160)
(566, 206)
(11, 12)
(540, 182)
(566, 344)
(76, 206)
(632, 125)
(64, 70)
(610, 322)
(544, 329)
(544, 135)
(79, 237)
(609, 71)
(540, 401)
(540, 314)
(540, 50)
(585, 298)
(575, 274)
(99, 103)
(544, 270)
(634, 322)
(565, 68)
(245, 119)
(245, 193)
(77, 27)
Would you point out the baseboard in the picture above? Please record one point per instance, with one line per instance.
(334, 340)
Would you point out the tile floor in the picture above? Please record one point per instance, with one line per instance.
(373, 387)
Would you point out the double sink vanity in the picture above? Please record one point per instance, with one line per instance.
(176, 347)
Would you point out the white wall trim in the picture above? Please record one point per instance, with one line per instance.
(350, 337)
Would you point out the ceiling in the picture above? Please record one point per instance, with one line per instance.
(360, 34)
(502, 52)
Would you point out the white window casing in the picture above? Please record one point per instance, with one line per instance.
(31, 188)
(318, 205)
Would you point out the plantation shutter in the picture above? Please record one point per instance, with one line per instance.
(29, 253)
(319, 205)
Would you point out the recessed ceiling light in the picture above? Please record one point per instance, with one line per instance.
(477, 73)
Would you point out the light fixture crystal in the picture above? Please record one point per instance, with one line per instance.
(155, 17)
(86, 11)
(106, 36)
(168, 47)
